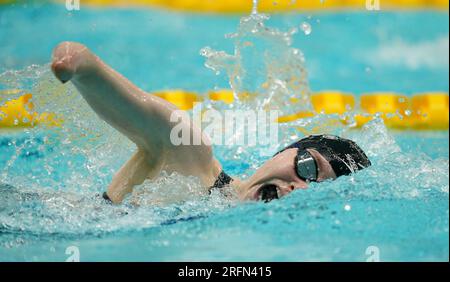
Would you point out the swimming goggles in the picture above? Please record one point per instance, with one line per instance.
(306, 166)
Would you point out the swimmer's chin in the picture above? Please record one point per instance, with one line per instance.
(243, 192)
(252, 194)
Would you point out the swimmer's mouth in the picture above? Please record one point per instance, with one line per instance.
(267, 193)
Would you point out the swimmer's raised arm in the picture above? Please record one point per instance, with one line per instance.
(114, 98)
(143, 118)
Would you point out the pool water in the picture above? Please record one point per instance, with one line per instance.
(51, 178)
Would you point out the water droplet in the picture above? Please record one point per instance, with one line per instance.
(255, 7)
(306, 27)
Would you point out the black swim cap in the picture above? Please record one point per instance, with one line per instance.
(344, 155)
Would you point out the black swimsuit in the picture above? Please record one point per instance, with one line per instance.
(222, 180)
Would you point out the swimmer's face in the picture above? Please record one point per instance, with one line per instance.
(278, 176)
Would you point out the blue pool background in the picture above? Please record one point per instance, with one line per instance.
(159, 50)
(400, 205)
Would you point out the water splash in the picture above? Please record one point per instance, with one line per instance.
(306, 28)
(52, 177)
(265, 71)
(255, 7)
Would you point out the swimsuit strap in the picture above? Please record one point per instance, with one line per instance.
(106, 197)
(222, 180)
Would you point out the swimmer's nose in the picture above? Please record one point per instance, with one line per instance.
(61, 71)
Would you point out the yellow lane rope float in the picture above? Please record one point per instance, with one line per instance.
(424, 111)
(19, 113)
(244, 6)
(182, 99)
(430, 109)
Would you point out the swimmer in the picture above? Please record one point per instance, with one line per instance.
(145, 120)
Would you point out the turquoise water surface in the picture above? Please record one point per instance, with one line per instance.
(50, 179)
